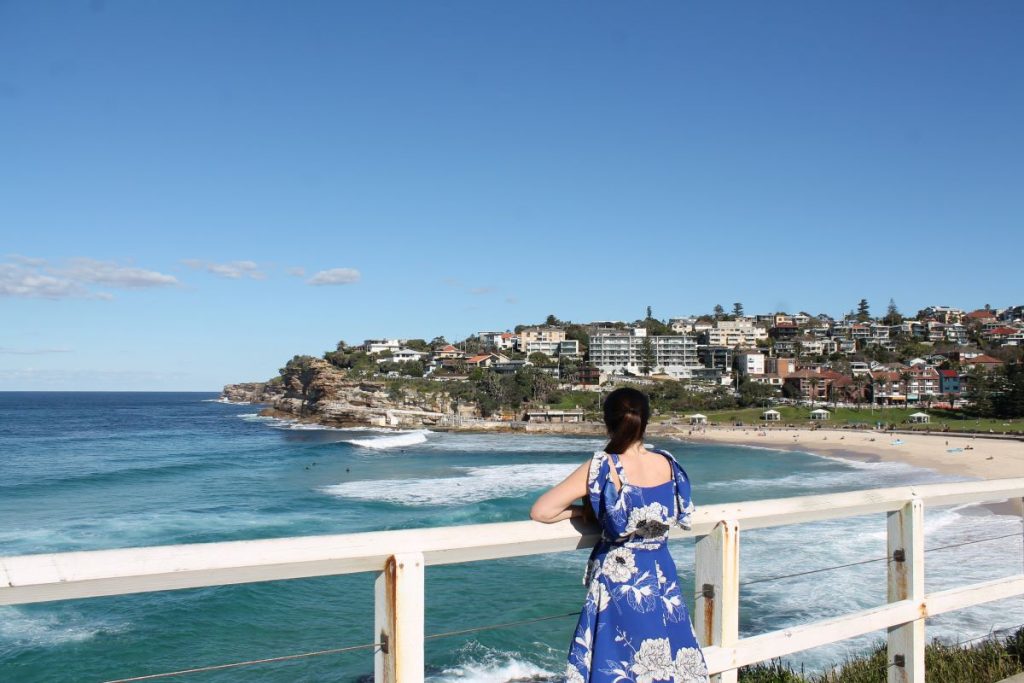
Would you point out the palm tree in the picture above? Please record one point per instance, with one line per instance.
(814, 390)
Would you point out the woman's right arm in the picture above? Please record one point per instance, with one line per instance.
(556, 503)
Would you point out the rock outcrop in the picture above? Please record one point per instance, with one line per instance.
(252, 392)
(317, 391)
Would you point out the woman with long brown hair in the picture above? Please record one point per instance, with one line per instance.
(634, 625)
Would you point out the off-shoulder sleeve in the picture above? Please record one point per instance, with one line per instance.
(684, 501)
(595, 479)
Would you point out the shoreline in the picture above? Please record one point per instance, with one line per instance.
(972, 458)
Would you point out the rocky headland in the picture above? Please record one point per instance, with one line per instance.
(317, 391)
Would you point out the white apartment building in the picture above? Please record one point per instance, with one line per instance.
(530, 335)
(621, 351)
(733, 333)
(750, 363)
(566, 347)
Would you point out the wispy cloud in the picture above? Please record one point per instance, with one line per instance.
(477, 290)
(115, 275)
(297, 271)
(30, 352)
(233, 270)
(24, 276)
(335, 276)
(511, 299)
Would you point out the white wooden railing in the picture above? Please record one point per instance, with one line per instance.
(400, 558)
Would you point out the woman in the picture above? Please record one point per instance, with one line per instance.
(634, 625)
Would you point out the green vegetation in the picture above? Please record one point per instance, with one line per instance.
(989, 661)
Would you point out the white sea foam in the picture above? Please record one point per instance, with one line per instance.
(494, 672)
(515, 443)
(398, 440)
(49, 629)
(477, 484)
(481, 664)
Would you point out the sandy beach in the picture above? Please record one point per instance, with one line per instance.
(976, 458)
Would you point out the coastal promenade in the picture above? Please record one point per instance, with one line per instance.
(399, 560)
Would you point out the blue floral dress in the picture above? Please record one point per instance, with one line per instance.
(634, 625)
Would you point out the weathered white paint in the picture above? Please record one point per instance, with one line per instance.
(398, 620)
(58, 576)
(787, 641)
(906, 582)
(716, 582)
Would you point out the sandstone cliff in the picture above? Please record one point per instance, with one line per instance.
(319, 392)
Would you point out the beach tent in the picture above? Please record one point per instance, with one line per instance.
(820, 414)
(771, 416)
(697, 419)
(921, 418)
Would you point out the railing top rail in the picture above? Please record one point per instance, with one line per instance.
(59, 576)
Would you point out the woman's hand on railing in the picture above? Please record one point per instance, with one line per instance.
(556, 503)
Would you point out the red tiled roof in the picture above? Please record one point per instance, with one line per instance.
(948, 373)
(987, 360)
(1003, 330)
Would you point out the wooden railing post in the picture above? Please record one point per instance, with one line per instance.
(398, 620)
(906, 582)
(716, 582)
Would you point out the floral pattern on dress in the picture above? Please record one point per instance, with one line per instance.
(634, 626)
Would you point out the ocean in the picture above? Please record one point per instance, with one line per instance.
(85, 471)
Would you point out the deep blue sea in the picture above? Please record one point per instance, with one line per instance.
(84, 471)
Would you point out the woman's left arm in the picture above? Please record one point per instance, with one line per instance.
(556, 503)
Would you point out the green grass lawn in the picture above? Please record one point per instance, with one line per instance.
(846, 417)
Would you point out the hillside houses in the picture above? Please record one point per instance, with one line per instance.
(853, 358)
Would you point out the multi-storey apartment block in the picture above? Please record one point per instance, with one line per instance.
(622, 351)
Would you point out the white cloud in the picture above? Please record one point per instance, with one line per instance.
(26, 277)
(113, 275)
(297, 271)
(26, 260)
(233, 270)
(335, 276)
(30, 352)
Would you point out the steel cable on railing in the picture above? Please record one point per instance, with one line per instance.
(351, 648)
(251, 662)
(870, 560)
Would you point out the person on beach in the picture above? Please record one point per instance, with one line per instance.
(634, 625)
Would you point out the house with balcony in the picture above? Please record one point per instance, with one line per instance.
(949, 383)
(375, 346)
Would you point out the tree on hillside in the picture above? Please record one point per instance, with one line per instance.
(646, 356)
(552, 321)
(438, 343)
(719, 311)
(892, 314)
(737, 309)
(649, 315)
(863, 311)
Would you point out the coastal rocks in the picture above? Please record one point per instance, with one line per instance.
(312, 389)
(251, 392)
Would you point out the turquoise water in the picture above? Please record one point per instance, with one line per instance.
(91, 471)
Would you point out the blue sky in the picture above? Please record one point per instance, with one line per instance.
(175, 175)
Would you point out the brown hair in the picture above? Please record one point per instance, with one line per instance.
(626, 412)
